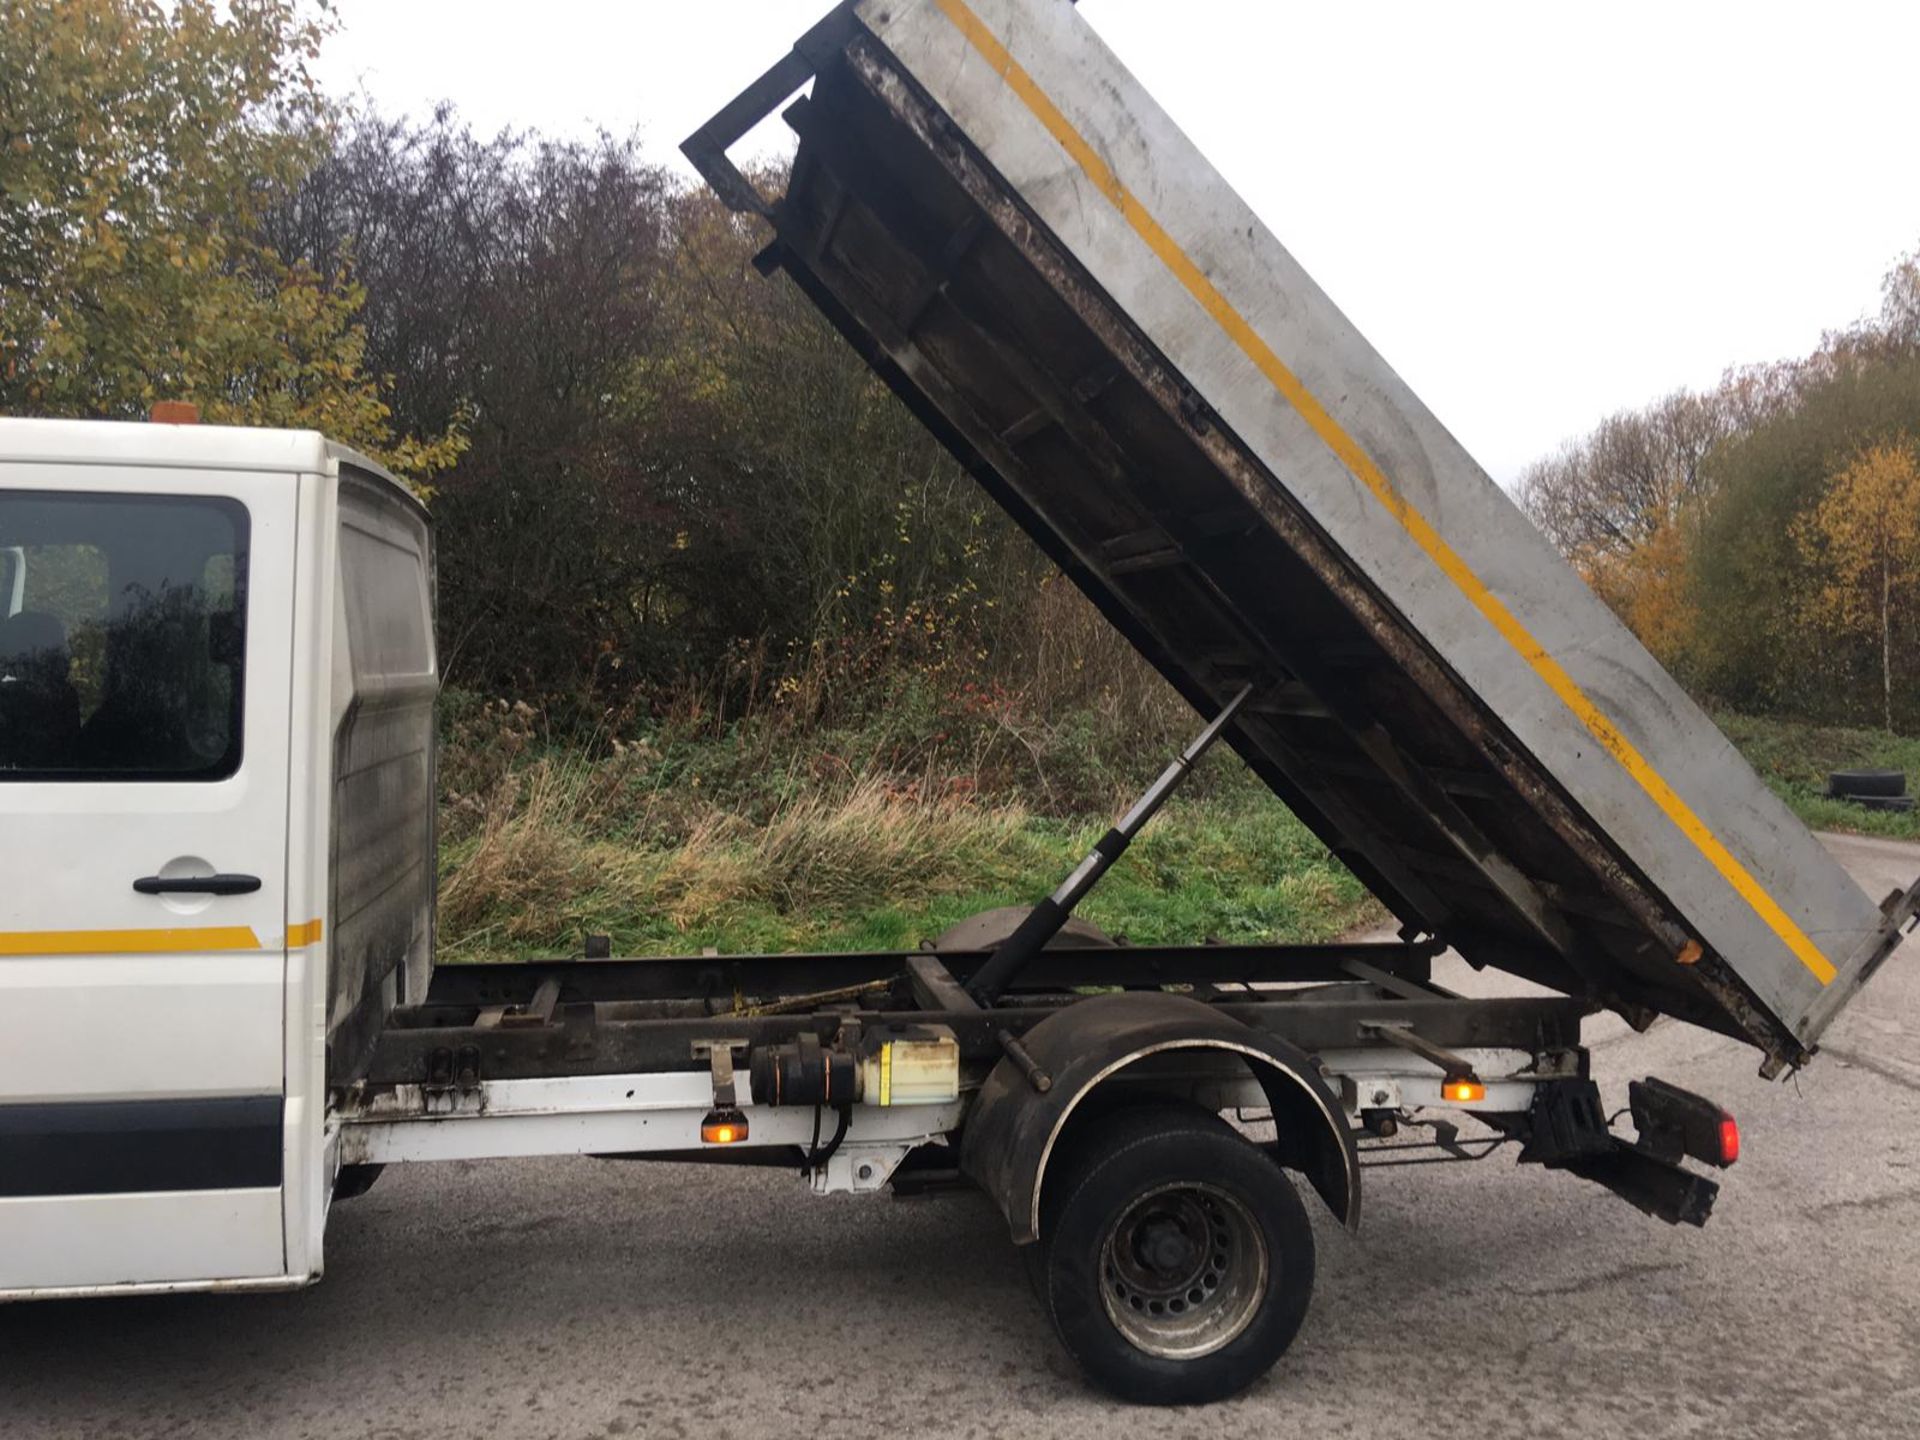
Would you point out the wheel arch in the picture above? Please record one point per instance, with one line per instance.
(1014, 1132)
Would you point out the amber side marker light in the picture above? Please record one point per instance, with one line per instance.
(1462, 1090)
(723, 1127)
(174, 412)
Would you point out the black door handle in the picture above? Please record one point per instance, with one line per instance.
(198, 885)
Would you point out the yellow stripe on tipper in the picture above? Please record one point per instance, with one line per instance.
(307, 933)
(1363, 468)
(175, 940)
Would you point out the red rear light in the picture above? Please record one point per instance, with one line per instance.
(1673, 1122)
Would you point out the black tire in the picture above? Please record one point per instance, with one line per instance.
(1177, 1259)
(1899, 804)
(1846, 784)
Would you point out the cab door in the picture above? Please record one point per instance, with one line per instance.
(144, 676)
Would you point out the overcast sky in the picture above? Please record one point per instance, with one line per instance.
(1539, 212)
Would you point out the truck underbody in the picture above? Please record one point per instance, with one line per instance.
(616, 1057)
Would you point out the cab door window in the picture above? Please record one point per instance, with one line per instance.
(123, 656)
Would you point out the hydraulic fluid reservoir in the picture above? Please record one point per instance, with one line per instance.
(920, 1071)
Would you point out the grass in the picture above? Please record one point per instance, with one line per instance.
(763, 839)
(644, 846)
(1794, 757)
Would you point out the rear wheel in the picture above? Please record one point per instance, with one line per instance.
(1176, 1261)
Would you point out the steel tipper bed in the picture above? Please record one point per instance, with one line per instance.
(1010, 230)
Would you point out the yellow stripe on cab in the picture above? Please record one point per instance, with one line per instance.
(165, 940)
(173, 940)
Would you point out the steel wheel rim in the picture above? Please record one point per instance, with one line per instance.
(1183, 1270)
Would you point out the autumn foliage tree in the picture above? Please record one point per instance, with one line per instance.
(1740, 533)
(140, 146)
(1862, 542)
(1621, 503)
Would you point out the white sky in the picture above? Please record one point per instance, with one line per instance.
(1539, 212)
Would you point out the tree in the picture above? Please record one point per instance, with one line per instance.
(1757, 642)
(1684, 516)
(1650, 587)
(140, 147)
(1627, 481)
(512, 290)
(1621, 503)
(1900, 303)
(680, 478)
(1863, 541)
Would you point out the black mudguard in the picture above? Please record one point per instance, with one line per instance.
(1013, 1127)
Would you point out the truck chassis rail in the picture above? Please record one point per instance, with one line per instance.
(604, 1017)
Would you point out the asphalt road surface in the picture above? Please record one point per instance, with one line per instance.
(581, 1298)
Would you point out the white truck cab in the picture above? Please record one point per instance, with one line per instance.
(217, 672)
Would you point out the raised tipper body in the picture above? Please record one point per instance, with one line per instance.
(1025, 245)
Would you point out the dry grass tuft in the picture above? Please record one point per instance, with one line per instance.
(532, 858)
(551, 848)
(827, 852)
